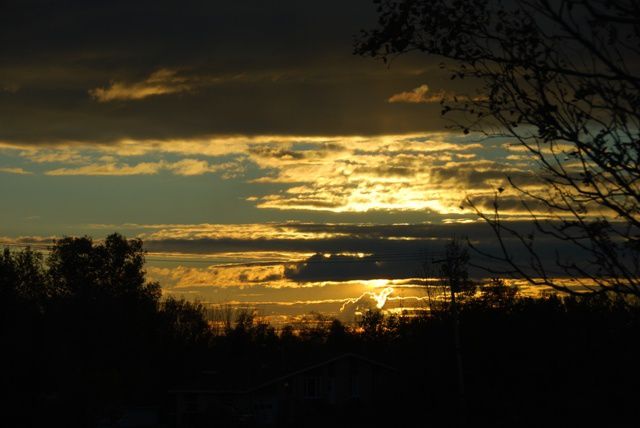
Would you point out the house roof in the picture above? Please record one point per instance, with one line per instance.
(289, 375)
(323, 363)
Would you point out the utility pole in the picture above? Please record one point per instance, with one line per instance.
(457, 343)
(455, 273)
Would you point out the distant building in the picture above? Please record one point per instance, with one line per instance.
(334, 386)
(134, 417)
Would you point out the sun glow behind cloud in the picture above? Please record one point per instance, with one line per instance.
(283, 286)
(294, 178)
(342, 174)
(274, 265)
(430, 173)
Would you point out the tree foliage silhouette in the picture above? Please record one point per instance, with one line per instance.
(22, 276)
(77, 266)
(77, 358)
(84, 333)
(562, 79)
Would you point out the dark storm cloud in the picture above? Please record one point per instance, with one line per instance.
(345, 267)
(362, 252)
(394, 239)
(386, 251)
(415, 262)
(426, 263)
(250, 67)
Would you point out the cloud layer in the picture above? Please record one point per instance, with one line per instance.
(90, 71)
(416, 172)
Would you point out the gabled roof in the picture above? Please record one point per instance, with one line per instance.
(323, 363)
(291, 374)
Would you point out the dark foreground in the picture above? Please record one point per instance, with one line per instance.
(86, 342)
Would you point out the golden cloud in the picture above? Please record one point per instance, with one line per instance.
(184, 167)
(217, 276)
(18, 171)
(191, 167)
(235, 231)
(144, 168)
(430, 172)
(160, 82)
(420, 95)
(416, 95)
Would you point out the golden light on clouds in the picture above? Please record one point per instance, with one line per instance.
(218, 276)
(14, 170)
(416, 95)
(247, 231)
(378, 298)
(109, 168)
(414, 172)
(423, 95)
(160, 82)
(185, 167)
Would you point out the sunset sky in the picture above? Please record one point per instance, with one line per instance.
(236, 138)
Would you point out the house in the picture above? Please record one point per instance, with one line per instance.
(348, 381)
(134, 417)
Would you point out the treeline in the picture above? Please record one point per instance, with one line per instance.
(528, 362)
(85, 336)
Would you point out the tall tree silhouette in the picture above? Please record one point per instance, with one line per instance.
(561, 78)
(77, 266)
(86, 334)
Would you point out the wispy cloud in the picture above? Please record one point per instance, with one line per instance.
(423, 95)
(415, 172)
(191, 167)
(143, 168)
(376, 173)
(218, 276)
(184, 167)
(18, 171)
(249, 231)
(416, 95)
(160, 82)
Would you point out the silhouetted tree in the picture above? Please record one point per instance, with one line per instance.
(337, 334)
(74, 358)
(497, 294)
(185, 321)
(454, 268)
(23, 297)
(562, 78)
(84, 334)
(372, 324)
(115, 268)
(22, 276)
